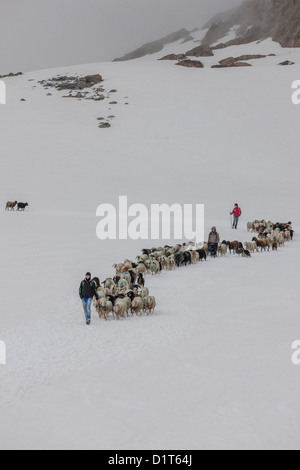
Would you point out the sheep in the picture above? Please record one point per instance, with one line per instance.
(128, 303)
(251, 247)
(164, 261)
(141, 280)
(233, 246)
(120, 308)
(118, 268)
(179, 259)
(194, 256)
(22, 206)
(155, 267)
(202, 255)
(127, 277)
(105, 307)
(187, 259)
(150, 304)
(137, 305)
(280, 240)
(171, 262)
(11, 205)
(222, 249)
(145, 292)
(108, 283)
(262, 244)
(250, 226)
(123, 284)
(274, 246)
(142, 268)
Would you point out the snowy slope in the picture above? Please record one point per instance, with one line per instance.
(212, 368)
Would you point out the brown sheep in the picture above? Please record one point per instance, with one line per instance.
(274, 246)
(11, 205)
(262, 244)
(233, 246)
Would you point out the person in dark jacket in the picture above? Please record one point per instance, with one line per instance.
(87, 291)
(213, 241)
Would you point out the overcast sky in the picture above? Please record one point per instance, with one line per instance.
(37, 34)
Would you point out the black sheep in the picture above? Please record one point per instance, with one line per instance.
(22, 206)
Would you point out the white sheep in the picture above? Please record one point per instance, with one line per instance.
(137, 305)
(150, 304)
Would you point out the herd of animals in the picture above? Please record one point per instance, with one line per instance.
(21, 206)
(127, 294)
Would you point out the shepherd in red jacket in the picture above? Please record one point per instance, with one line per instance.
(237, 212)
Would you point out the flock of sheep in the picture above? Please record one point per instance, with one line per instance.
(126, 293)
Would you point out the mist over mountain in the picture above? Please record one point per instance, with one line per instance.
(253, 20)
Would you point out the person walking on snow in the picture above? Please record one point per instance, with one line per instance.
(87, 291)
(213, 241)
(237, 212)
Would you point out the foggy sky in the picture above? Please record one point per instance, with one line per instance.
(36, 34)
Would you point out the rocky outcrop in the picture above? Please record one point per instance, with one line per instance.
(173, 57)
(287, 62)
(250, 57)
(259, 19)
(156, 46)
(232, 64)
(11, 75)
(227, 62)
(238, 61)
(200, 51)
(72, 83)
(191, 63)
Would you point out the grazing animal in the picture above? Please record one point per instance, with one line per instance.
(108, 283)
(233, 246)
(97, 282)
(150, 304)
(274, 246)
(262, 244)
(105, 307)
(22, 206)
(123, 284)
(118, 268)
(179, 258)
(11, 205)
(246, 254)
(202, 255)
(120, 308)
(187, 259)
(141, 280)
(222, 249)
(137, 305)
(155, 267)
(171, 262)
(141, 268)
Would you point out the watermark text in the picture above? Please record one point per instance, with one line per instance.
(2, 353)
(160, 221)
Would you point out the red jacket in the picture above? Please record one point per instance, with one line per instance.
(237, 212)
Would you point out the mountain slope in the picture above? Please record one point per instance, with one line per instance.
(260, 19)
(254, 20)
(156, 46)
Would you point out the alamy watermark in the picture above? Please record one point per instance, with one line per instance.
(2, 353)
(2, 92)
(296, 94)
(157, 222)
(296, 353)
